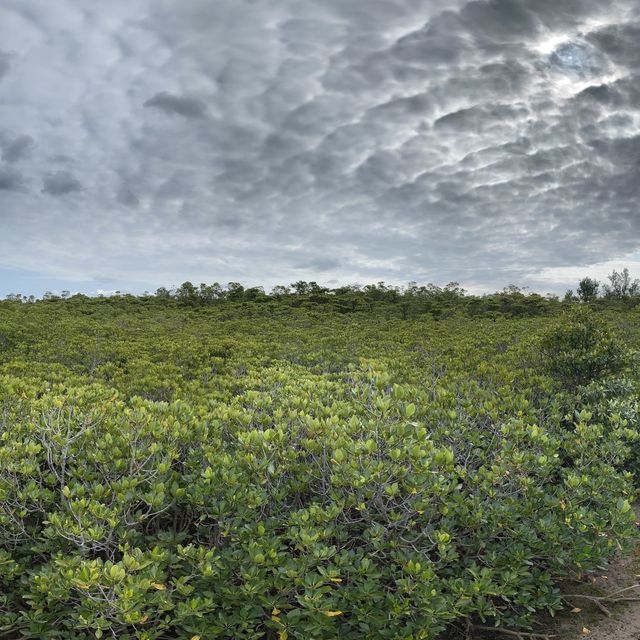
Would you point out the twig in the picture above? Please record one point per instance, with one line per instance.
(593, 599)
(520, 635)
(615, 593)
(610, 599)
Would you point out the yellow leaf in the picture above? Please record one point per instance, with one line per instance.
(158, 586)
(336, 579)
(195, 637)
(332, 614)
(275, 612)
(576, 610)
(283, 634)
(585, 630)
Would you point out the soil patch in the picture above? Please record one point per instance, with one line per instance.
(620, 581)
(617, 619)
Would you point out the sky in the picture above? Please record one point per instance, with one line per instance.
(148, 142)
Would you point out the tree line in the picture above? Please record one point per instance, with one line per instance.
(620, 289)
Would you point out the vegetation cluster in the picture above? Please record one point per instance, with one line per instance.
(309, 464)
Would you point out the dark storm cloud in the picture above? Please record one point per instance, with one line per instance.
(499, 20)
(619, 42)
(10, 179)
(61, 183)
(485, 141)
(183, 106)
(17, 148)
(127, 196)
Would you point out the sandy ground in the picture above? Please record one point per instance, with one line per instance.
(626, 626)
(586, 620)
(624, 622)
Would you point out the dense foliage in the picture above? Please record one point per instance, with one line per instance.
(284, 469)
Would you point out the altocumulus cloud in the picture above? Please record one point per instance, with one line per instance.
(17, 148)
(181, 105)
(490, 141)
(60, 183)
(10, 179)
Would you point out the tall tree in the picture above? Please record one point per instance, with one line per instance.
(621, 285)
(588, 289)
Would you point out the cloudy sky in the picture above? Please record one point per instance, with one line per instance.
(146, 142)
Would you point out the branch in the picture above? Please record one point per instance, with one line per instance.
(598, 601)
(520, 635)
(612, 598)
